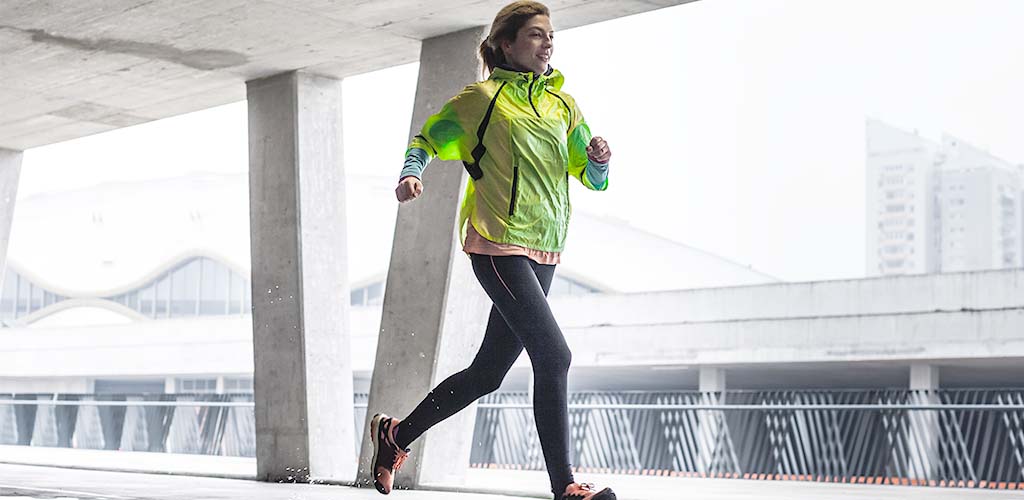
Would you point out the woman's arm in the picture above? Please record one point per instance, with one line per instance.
(443, 136)
(588, 155)
(598, 156)
(409, 184)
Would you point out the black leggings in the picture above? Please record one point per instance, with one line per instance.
(520, 318)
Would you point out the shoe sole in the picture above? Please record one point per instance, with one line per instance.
(605, 494)
(374, 426)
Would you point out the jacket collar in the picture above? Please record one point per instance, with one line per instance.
(551, 78)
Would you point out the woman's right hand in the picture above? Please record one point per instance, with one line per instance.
(408, 189)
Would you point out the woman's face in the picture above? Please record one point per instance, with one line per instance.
(533, 46)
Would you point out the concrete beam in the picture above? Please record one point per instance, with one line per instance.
(955, 336)
(434, 311)
(921, 318)
(895, 295)
(303, 372)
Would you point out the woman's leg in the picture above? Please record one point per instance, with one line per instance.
(518, 287)
(498, 351)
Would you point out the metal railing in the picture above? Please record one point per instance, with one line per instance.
(174, 423)
(968, 438)
(205, 424)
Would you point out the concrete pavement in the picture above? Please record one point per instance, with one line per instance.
(29, 482)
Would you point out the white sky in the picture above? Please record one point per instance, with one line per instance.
(737, 126)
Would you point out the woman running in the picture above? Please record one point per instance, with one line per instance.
(521, 138)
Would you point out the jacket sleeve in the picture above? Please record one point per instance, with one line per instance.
(450, 134)
(579, 139)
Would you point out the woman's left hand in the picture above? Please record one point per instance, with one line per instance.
(598, 151)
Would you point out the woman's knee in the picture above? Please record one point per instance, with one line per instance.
(485, 379)
(566, 360)
(556, 359)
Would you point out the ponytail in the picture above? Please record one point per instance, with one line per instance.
(491, 56)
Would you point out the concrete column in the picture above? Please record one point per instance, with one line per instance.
(711, 384)
(924, 377)
(923, 428)
(711, 379)
(10, 170)
(300, 294)
(434, 310)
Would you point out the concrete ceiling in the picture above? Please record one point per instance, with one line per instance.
(71, 69)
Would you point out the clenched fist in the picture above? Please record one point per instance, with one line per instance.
(598, 150)
(408, 189)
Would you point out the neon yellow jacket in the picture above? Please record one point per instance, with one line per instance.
(521, 138)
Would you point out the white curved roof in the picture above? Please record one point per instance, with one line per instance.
(111, 238)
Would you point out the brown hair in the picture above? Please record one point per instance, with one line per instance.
(504, 28)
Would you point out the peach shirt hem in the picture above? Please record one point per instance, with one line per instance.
(475, 243)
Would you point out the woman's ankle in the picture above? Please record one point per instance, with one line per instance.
(399, 439)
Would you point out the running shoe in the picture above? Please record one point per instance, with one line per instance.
(586, 491)
(387, 456)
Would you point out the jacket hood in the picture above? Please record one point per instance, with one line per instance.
(552, 78)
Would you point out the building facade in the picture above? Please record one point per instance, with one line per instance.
(938, 207)
(133, 287)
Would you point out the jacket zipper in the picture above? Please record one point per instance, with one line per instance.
(567, 108)
(530, 96)
(515, 187)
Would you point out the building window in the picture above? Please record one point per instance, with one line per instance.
(20, 297)
(369, 295)
(238, 384)
(196, 385)
(561, 285)
(213, 294)
(197, 287)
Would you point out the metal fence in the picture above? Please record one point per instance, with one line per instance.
(205, 424)
(173, 423)
(966, 438)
